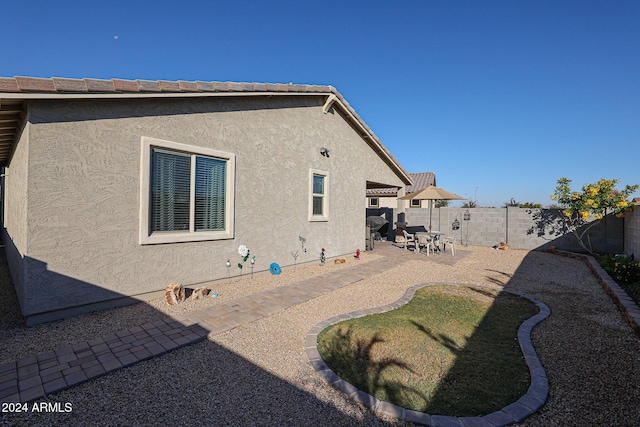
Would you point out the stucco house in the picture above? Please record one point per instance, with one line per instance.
(112, 189)
(388, 197)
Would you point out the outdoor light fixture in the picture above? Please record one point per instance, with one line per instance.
(324, 151)
(467, 215)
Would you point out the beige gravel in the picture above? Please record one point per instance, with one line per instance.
(258, 374)
(43, 337)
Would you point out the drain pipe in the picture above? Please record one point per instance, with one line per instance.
(506, 237)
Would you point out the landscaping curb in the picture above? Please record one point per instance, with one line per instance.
(630, 311)
(528, 404)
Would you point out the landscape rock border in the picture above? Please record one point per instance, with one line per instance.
(527, 405)
(630, 311)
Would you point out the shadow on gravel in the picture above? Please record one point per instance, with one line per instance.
(200, 384)
(590, 356)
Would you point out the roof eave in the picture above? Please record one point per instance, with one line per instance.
(369, 137)
(136, 95)
(25, 89)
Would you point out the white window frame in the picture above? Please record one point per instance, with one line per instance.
(325, 196)
(148, 238)
(419, 205)
(371, 204)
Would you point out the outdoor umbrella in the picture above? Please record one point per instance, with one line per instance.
(432, 193)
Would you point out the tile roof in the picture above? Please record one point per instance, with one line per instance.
(420, 180)
(15, 91)
(63, 85)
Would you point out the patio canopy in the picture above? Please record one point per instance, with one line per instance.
(431, 193)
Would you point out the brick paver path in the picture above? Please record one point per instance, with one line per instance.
(33, 377)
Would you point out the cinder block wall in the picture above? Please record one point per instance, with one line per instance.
(632, 232)
(518, 228)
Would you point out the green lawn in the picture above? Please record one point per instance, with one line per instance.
(450, 351)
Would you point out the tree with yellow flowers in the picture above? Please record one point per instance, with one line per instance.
(596, 200)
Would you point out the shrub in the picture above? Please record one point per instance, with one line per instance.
(622, 269)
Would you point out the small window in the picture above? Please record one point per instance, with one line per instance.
(318, 189)
(318, 195)
(374, 202)
(186, 193)
(416, 203)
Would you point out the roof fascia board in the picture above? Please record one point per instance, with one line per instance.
(67, 95)
(367, 134)
(328, 103)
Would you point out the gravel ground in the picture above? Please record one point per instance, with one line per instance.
(258, 374)
(48, 336)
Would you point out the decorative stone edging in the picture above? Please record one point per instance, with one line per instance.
(630, 311)
(528, 404)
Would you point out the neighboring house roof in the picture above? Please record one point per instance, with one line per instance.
(15, 92)
(420, 180)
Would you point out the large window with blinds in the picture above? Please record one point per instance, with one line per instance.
(189, 193)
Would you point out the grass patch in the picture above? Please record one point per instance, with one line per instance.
(450, 351)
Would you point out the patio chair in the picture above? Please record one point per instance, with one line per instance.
(424, 240)
(409, 238)
(449, 240)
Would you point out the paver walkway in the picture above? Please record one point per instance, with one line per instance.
(33, 377)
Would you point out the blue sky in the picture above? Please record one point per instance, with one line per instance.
(498, 98)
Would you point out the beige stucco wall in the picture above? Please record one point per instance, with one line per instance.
(394, 203)
(15, 211)
(384, 202)
(84, 184)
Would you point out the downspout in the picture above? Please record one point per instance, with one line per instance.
(506, 237)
